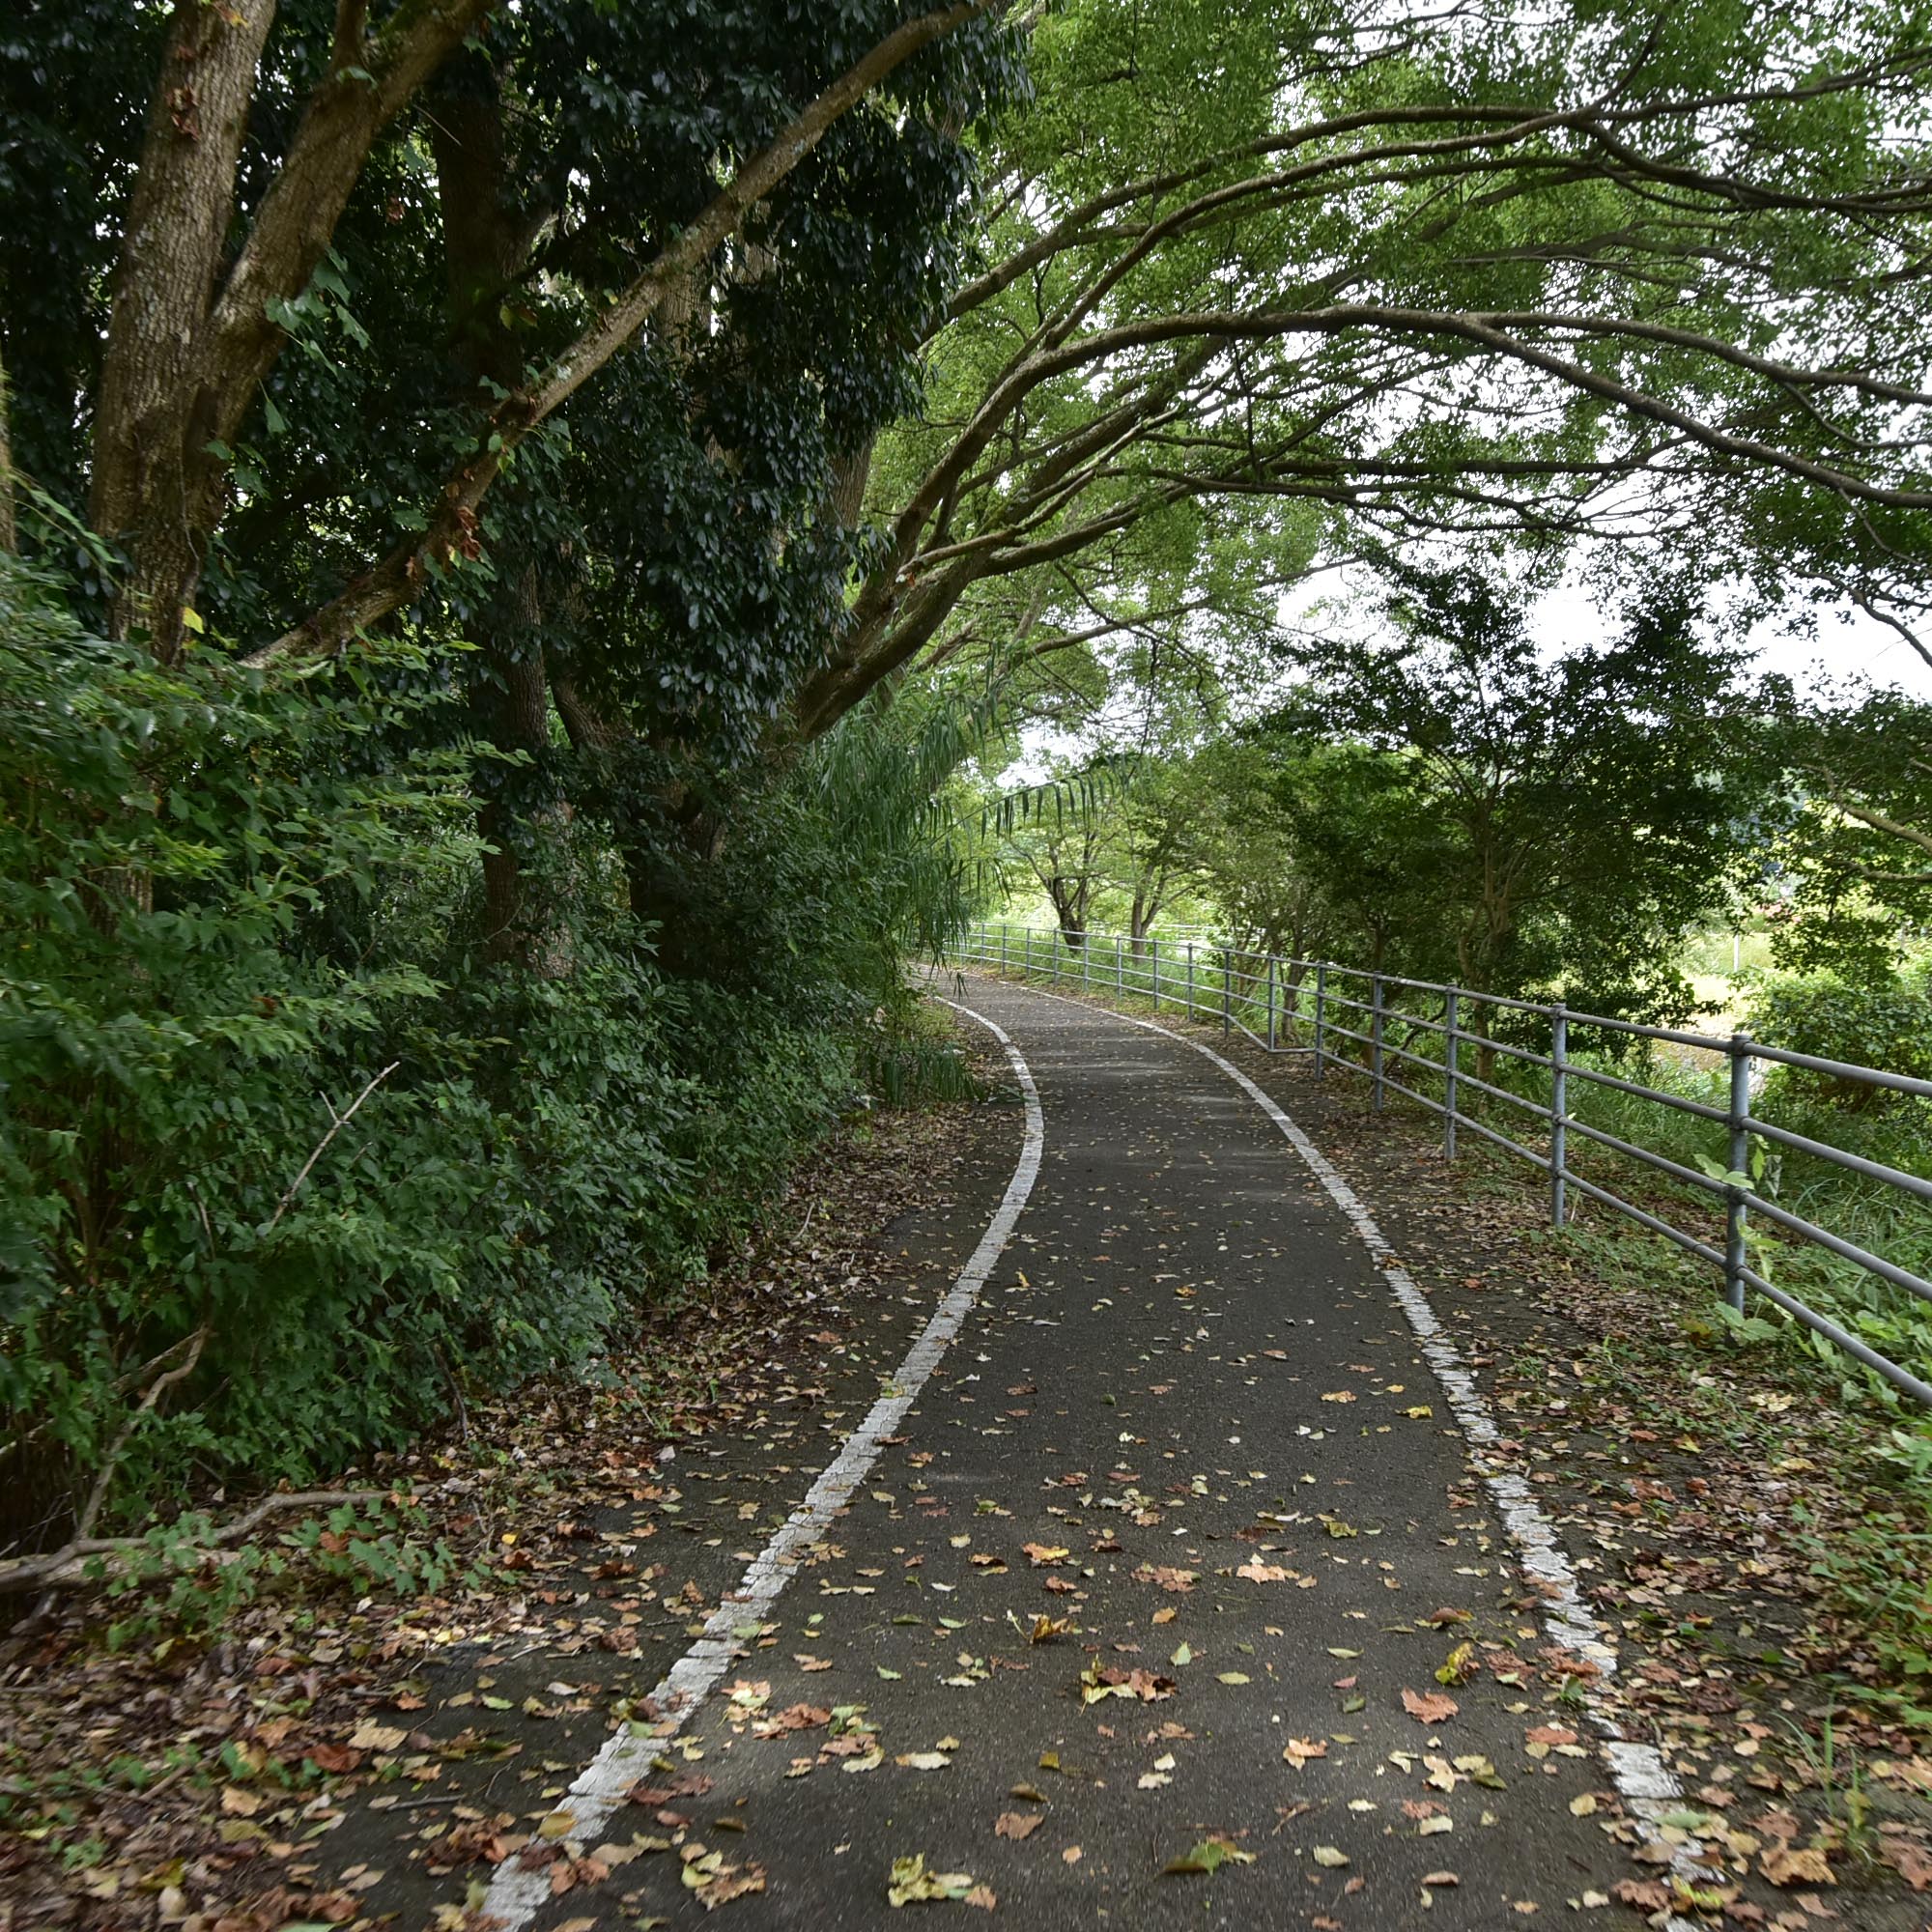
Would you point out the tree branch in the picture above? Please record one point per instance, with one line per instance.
(322, 1146)
(68, 1567)
(452, 530)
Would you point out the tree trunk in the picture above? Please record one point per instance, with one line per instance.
(191, 334)
(849, 478)
(9, 536)
(486, 241)
(150, 421)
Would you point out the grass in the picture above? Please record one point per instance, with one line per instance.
(911, 1056)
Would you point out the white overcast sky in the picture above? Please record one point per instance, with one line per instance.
(1846, 644)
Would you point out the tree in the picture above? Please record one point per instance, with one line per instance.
(1546, 826)
(441, 312)
(1651, 273)
(1064, 858)
(1153, 851)
(261, 126)
(1312, 849)
(1857, 851)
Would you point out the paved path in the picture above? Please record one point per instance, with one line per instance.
(1189, 1417)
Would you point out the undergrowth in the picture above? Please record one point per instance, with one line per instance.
(293, 1161)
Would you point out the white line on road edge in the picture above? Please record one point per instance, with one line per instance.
(1647, 1784)
(515, 1894)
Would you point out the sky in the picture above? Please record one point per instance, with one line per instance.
(1847, 643)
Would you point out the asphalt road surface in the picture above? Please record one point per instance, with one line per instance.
(1159, 1568)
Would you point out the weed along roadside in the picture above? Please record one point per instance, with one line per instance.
(206, 1735)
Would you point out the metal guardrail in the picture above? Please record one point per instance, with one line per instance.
(1296, 1006)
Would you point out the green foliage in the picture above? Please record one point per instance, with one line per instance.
(1884, 1022)
(1856, 854)
(177, 1580)
(234, 912)
(1873, 1571)
(378, 1546)
(1220, 332)
(168, 1581)
(910, 1056)
(169, 1050)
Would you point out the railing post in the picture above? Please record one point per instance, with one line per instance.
(1738, 1162)
(1451, 1054)
(1004, 929)
(1559, 1112)
(1154, 954)
(1026, 969)
(1190, 979)
(1119, 973)
(1375, 1039)
(1321, 1017)
(1086, 957)
(1227, 994)
(1272, 1033)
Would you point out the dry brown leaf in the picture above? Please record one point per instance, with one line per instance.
(1789, 1865)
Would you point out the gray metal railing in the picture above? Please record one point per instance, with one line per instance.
(1294, 1006)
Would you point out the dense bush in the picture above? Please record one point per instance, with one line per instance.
(1885, 1021)
(230, 911)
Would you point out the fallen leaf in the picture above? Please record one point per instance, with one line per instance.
(1912, 1861)
(1016, 1824)
(909, 1881)
(1429, 1707)
(1208, 1858)
(1787, 1864)
(1166, 1576)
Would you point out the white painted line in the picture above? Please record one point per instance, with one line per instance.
(515, 1894)
(1648, 1785)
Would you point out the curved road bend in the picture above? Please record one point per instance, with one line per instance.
(1189, 1417)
